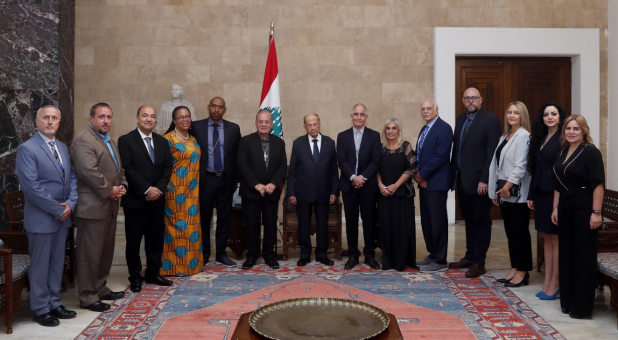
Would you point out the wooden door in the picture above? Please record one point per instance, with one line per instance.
(501, 80)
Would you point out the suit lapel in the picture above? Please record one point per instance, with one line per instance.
(474, 123)
(49, 154)
(309, 149)
(140, 142)
(364, 139)
(258, 148)
(114, 147)
(322, 149)
(226, 140)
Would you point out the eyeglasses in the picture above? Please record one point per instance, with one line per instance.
(473, 99)
(184, 117)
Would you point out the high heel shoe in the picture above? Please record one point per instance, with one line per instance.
(504, 280)
(540, 293)
(524, 282)
(544, 296)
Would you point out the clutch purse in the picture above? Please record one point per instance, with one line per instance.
(514, 191)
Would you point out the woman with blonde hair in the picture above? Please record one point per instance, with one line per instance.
(508, 188)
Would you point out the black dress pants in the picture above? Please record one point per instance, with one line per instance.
(434, 222)
(577, 258)
(475, 210)
(148, 223)
(516, 218)
(353, 201)
(258, 212)
(303, 212)
(215, 192)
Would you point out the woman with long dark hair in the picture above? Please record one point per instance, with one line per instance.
(544, 149)
(182, 248)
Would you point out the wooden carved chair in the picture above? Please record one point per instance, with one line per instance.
(14, 261)
(15, 202)
(290, 227)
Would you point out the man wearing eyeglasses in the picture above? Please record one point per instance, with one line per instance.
(476, 136)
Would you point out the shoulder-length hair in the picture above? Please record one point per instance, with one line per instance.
(388, 121)
(583, 124)
(523, 114)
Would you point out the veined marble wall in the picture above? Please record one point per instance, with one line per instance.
(36, 69)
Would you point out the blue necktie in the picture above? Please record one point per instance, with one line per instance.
(463, 133)
(421, 141)
(107, 141)
(53, 145)
(216, 148)
(316, 151)
(150, 149)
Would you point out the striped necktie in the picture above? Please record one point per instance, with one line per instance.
(53, 146)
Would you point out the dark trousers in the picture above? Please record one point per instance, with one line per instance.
(577, 248)
(45, 270)
(434, 221)
(516, 218)
(475, 211)
(150, 224)
(353, 201)
(258, 212)
(215, 193)
(303, 212)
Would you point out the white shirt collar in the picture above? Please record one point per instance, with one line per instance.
(311, 138)
(143, 135)
(45, 139)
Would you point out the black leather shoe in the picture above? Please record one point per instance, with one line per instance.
(372, 263)
(47, 320)
(476, 270)
(463, 263)
(303, 262)
(136, 285)
(351, 263)
(226, 261)
(577, 316)
(272, 263)
(325, 261)
(98, 306)
(62, 313)
(112, 296)
(504, 280)
(159, 280)
(249, 263)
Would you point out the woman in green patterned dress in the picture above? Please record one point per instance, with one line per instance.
(182, 249)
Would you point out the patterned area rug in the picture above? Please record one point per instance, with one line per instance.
(445, 305)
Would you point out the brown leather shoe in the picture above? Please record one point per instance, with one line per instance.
(476, 270)
(463, 263)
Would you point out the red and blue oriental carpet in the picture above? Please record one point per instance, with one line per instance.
(208, 305)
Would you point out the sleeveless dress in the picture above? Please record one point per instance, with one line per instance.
(182, 248)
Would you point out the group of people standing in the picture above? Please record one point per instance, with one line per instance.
(169, 185)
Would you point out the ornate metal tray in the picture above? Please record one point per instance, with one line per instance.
(319, 318)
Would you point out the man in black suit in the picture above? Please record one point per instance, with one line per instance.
(312, 185)
(147, 162)
(359, 152)
(218, 139)
(262, 164)
(476, 136)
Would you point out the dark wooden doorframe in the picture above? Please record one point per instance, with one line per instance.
(501, 80)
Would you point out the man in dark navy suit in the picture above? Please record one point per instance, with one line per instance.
(312, 185)
(359, 152)
(434, 178)
(476, 136)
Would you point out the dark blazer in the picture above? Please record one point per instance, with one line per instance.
(434, 159)
(231, 138)
(477, 148)
(308, 181)
(369, 157)
(543, 177)
(141, 173)
(252, 168)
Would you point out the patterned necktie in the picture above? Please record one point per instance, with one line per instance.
(421, 141)
(53, 146)
(316, 151)
(216, 148)
(150, 149)
(358, 136)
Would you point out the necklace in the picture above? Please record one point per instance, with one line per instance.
(179, 134)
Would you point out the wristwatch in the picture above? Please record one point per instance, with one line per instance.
(597, 212)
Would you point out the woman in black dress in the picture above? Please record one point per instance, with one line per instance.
(577, 212)
(544, 149)
(396, 202)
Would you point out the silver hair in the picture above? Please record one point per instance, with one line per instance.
(46, 106)
(388, 121)
(435, 104)
(308, 115)
(363, 105)
(258, 113)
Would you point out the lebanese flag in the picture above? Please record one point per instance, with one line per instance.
(270, 89)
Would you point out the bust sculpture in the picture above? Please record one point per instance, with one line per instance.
(164, 115)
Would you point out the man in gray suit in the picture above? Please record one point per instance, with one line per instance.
(50, 189)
